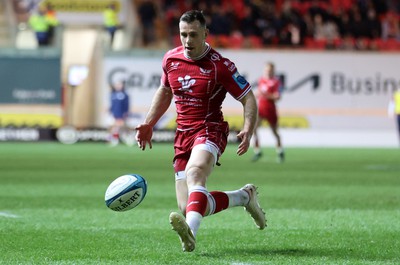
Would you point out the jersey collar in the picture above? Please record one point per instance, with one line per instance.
(201, 55)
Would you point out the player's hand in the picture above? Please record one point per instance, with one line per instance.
(244, 143)
(144, 133)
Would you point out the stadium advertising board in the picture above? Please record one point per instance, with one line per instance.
(95, 6)
(30, 80)
(322, 90)
(30, 96)
(90, 11)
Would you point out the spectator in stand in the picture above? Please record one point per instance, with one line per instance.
(265, 25)
(345, 24)
(319, 33)
(326, 31)
(147, 14)
(390, 27)
(39, 23)
(360, 27)
(290, 33)
(52, 20)
(172, 16)
(308, 26)
(373, 24)
(248, 26)
(380, 6)
(221, 23)
(111, 21)
(316, 9)
(394, 5)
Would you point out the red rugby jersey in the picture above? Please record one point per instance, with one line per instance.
(267, 86)
(200, 86)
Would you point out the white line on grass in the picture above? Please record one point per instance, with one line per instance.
(8, 215)
(388, 167)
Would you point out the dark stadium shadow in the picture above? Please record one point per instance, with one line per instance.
(261, 252)
(293, 253)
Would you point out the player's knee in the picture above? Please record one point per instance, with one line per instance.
(195, 175)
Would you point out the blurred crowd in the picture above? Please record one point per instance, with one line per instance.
(314, 24)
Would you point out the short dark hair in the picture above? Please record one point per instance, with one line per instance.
(193, 15)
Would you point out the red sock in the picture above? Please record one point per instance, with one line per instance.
(197, 202)
(221, 201)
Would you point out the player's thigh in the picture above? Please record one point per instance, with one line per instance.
(199, 167)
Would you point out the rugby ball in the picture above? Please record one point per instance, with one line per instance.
(125, 192)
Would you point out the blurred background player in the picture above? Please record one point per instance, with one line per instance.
(120, 110)
(197, 78)
(268, 92)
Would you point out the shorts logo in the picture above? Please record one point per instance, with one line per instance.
(186, 83)
(240, 80)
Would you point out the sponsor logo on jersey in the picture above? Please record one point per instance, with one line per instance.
(186, 83)
(240, 80)
(205, 71)
(174, 66)
(215, 57)
(231, 66)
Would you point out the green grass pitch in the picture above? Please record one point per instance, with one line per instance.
(324, 206)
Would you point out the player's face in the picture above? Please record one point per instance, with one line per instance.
(193, 37)
(119, 86)
(269, 71)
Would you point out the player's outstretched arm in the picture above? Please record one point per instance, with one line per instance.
(250, 113)
(159, 105)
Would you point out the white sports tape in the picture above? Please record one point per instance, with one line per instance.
(206, 147)
(180, 175)
(210, 148)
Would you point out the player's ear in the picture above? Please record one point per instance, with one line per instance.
(206, 33)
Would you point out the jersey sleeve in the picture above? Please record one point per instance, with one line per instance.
(232, 80)
(164, 77)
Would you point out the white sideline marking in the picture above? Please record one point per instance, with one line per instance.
(8, 215)
(383, 167)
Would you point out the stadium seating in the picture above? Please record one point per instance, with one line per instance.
(296, 10)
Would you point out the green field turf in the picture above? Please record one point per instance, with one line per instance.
(324, 206)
